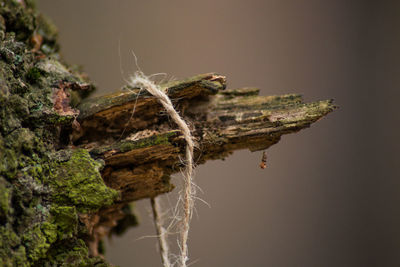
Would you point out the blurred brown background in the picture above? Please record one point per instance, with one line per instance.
(330, 195)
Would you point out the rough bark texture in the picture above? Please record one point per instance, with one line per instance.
(69, 168)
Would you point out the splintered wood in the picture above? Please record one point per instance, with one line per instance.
(140, 163)
(224, 121)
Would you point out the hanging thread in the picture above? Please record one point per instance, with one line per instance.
(161, 232)
(139, 80)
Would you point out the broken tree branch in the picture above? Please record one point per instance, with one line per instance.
(139, 164)
(222, 121)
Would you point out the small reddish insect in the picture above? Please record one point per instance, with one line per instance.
(263, 163)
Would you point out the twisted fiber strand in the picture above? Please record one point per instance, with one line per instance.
(141, 81)
(161, 232)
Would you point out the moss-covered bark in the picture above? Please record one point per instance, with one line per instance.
(44, 185)
(70, 166)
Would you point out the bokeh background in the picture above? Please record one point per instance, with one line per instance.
(330, 195)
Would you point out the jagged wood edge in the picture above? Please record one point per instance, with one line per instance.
(110, 115)
(140, 164)
(223, 121)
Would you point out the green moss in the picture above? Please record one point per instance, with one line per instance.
(66, 220)
(33, 75)
(11, 253)
(50, 231)
(56, 119)
(19, 18)
(36, 242)
(19, 257)
(77, 253)
(5, 198)
(79, 183)
(8, 163)
(74, 253)
(22, 139)
(8, 237)
(35, 171)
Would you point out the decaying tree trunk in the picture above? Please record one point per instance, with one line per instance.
(70, 167)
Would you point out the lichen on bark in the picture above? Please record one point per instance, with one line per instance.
(44, 186)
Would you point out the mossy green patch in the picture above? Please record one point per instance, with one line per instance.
(21, 139)
(74, 253)
(5, 198)
(79, 183)
(50, 231)
(33, 75)
(8, 237)
(66, 220)
(8, 163)
(11, 252)
(36, 242)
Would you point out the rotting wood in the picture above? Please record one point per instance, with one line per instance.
(139, 164)
(222, 121)
(106, 117)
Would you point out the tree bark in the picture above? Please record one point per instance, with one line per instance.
(71, 166)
